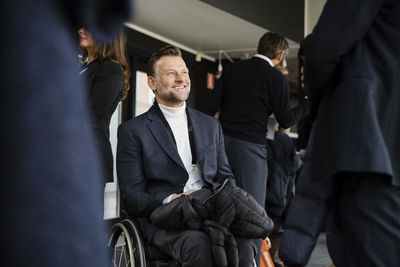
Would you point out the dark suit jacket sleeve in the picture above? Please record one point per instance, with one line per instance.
(102, 18)
(224, 170)
(280, 101)
(341, 25)
(136, 201)
(105, 90)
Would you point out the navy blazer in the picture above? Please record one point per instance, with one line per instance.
(352, 75)
(150, 168)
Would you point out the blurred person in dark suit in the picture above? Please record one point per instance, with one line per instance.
(51, 187)
(351, 171)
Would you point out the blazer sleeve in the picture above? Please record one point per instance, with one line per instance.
(106, 90)
(102, 18)
(341, 25)
(224, 170)
(136, 201)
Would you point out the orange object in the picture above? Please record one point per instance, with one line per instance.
(210, 81)
(266, 260)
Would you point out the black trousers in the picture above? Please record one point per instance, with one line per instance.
(249, 165)
(193, 248)
(368, 218)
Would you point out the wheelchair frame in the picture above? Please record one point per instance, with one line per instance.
(127, 244)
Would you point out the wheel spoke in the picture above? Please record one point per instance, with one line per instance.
(121, 256)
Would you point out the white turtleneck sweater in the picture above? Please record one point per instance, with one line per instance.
(177, 120)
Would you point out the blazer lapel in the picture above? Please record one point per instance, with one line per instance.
(162, 137)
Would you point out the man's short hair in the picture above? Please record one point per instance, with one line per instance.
(168, 50)
(271, 44)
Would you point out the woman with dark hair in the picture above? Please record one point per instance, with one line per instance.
(106, 71)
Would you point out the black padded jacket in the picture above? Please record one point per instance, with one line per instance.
(223, 214)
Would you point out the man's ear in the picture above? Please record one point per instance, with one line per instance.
(280, 56)
(152, 83)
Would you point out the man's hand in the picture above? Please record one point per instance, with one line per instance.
(184, 193)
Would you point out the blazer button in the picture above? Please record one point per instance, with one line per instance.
(181, 184)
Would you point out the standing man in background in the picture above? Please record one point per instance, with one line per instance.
(251, 90)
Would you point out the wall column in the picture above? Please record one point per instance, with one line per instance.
(312, 11)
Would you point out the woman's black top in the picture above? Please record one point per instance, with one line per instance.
(105, 82)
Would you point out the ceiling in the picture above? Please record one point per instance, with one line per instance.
(203, 29)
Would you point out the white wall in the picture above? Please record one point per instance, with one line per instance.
(115, 121)
(111, 193)
(312, 11)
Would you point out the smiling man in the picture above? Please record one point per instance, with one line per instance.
(170, 151)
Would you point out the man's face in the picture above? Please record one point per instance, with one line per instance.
(171, 83)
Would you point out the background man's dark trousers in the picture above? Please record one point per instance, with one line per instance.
(249, 165)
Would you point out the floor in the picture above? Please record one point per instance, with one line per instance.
(320, 256)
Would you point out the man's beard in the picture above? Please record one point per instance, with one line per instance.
(170, 96)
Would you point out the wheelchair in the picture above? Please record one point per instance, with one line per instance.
(129, 250)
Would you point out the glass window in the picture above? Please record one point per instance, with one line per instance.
(144, 95)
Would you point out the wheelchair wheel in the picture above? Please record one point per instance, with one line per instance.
(126, 245)
(137, 243)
